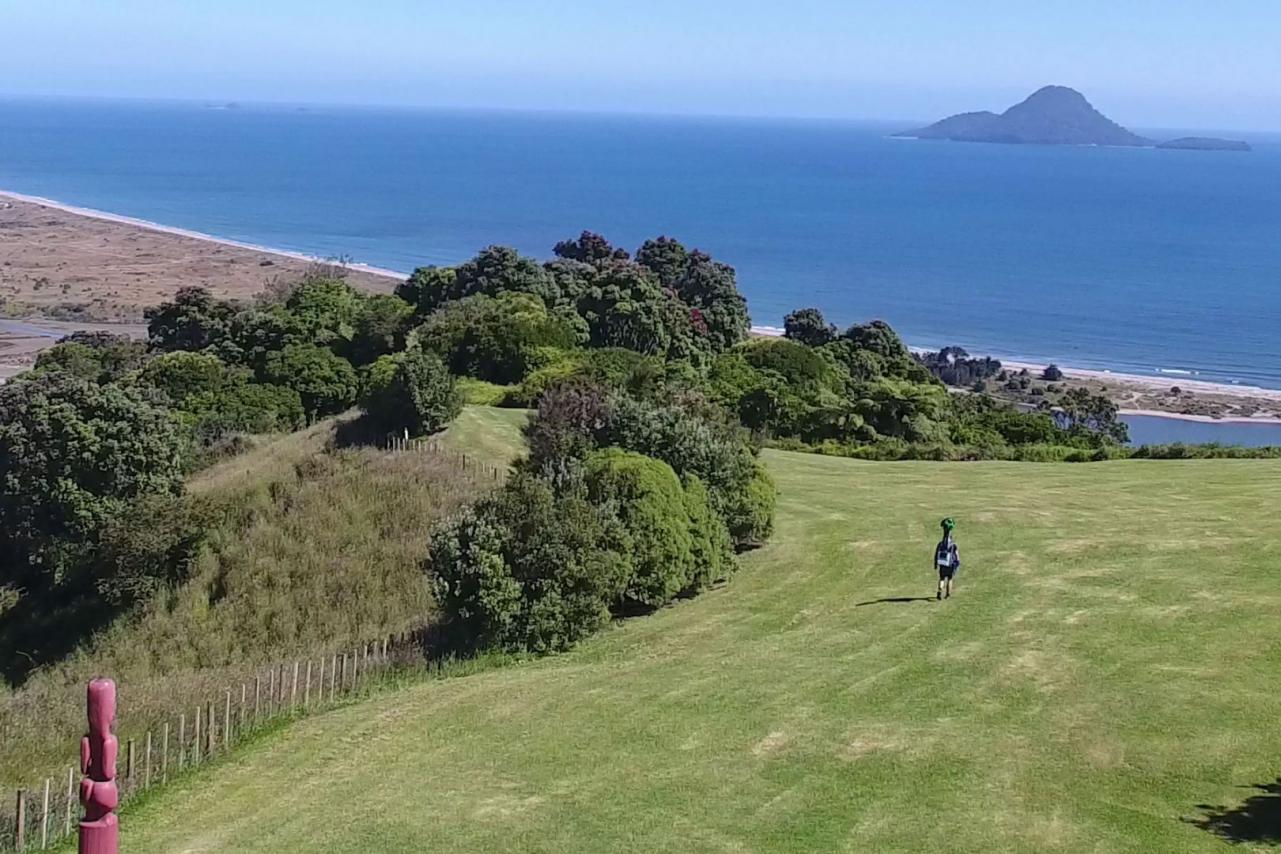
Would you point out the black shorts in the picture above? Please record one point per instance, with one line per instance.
(946, 573)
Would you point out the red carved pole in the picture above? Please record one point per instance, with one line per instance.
(100, 829)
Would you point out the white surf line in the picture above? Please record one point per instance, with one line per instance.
(148, 225)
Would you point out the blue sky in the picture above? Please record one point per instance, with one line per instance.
(1147, 63)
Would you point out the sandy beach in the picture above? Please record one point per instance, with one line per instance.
(71, 263)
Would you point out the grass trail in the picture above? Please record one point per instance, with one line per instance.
(1109, 663)
(488, 433)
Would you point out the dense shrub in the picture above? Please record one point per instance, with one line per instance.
(380, 328)
(709, 537)
(573, 420)
(326, 310)
(531, 568)
(216, 400)
(326, 383)
(565, 427)
(498, 339)
(610, 367)
(808, 326)
(410, 391)
(72, 455)
(480, 393)
(649, 500)
(194, 320)
(95, 356)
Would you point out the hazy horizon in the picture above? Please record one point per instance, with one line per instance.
(1147, 65)
(888, 123)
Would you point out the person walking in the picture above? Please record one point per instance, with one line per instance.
(947, 559)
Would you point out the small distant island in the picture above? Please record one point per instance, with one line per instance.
(1206, 143)
(1055, 115)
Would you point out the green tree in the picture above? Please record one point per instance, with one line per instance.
(665, 258)
(327, 311)
(625, 308)
(589, 248)
(182, 374)
(1088, 414)
(326, 383)
(530, 568)
(427, 288)
(194, 320)
(96, 356)
(380, 328)
(807, 326)
(411, 391)
(256, 333)
(498, 339)
(73, 455)
(710, 288)
(877, 337)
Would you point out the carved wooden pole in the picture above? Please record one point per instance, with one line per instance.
(100, 829)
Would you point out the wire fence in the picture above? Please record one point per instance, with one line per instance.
(43, 815)
(434, 445)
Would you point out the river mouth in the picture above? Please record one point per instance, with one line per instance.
(1160, 430)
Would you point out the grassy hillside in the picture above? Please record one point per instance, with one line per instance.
(1108, 665)
(315, 549)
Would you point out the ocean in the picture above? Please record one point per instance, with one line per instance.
(1133, 260)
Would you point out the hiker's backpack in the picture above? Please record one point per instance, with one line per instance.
(943, 553)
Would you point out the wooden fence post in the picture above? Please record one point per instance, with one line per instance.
(293, 691)
(209, 730)
(321, 695)
(129, 763)
(333, 676)
(164, 755)
(344, 671)
(226, 723)
(182, 740)
(44, 817)
(20, 822)
(257, 695)
(195, 748)
(71, 799)
(306, 691)
(146, 762)
(271, 690)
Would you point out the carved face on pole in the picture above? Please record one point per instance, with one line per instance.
(102, 706)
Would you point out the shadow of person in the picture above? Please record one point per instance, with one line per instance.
(894, 600)
(1256, 819)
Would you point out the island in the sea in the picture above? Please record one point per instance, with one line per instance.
(1206, 143)
(1055, 115)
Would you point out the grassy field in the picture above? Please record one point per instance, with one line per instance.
(1104, 680)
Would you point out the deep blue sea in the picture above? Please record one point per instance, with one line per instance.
(1133, 260)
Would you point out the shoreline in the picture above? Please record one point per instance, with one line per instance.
(1161, 385)
(1142, 384)
(148, 225)
(1262, 421)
